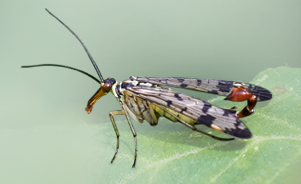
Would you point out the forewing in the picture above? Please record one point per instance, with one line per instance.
(201, 111)
(219, 87)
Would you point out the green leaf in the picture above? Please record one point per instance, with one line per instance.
(172, 153)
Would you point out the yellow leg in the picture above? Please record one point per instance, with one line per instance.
(133, 131)
(116, 130)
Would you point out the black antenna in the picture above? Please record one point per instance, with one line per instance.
(92, 60)
(30, 66)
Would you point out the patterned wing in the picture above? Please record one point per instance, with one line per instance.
(203, 112)
(219, 87)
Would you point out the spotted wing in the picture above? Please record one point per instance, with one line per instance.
(196, 109)
(220, 87)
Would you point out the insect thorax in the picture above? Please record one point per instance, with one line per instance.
(119, 89)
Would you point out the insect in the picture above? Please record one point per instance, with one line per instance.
(145, 98)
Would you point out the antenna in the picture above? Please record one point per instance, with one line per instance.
(89, 55)
(63, 66)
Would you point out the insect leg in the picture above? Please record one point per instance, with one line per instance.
(240, 93)
(133, 131)
(194, 128)
(116, 130)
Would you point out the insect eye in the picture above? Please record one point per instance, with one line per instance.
(107, 84)
(106, 87)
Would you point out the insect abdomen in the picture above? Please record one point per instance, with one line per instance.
(162, 111)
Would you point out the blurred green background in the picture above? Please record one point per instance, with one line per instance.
(47, 137)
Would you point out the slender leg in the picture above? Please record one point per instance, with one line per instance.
(195, 129)
(116, 130)
(133, 131)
